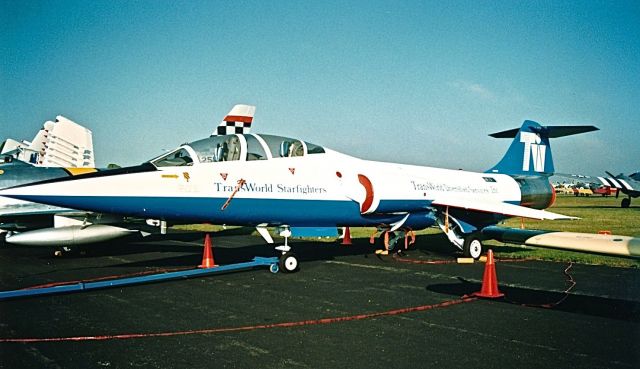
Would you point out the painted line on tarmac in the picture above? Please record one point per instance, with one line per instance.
(365, 266)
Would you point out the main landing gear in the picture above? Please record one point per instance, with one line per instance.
(626, 202)
(288, 260)
(469, 243)
(63, 250)
(391, 237)
(472, 246)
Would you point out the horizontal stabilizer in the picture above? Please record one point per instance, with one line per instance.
(499, 208)
(550, 131)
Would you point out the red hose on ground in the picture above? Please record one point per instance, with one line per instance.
(243, 328)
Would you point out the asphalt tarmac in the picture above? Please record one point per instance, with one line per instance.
(344, 308)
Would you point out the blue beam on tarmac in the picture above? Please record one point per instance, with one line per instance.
(183, 274)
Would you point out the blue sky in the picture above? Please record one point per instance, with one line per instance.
(420, 82)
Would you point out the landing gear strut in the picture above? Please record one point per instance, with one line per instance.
(288, 261)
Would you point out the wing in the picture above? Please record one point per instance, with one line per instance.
(498, 208)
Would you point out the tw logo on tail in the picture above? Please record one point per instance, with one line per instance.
(533, 148)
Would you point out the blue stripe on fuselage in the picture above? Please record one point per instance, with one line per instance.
(240, 211)
(389, 206)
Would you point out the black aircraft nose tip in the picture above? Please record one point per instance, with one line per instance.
(73, 174)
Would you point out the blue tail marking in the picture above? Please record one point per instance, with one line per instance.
(530, 151)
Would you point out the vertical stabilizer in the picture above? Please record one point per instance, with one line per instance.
(238, 121)
(65, 144)
(530, 151)
(60, 144)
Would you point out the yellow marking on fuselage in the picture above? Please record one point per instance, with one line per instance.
(174, 176)
(78, 171)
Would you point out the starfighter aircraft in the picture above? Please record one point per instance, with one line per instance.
(33, 224)
(268, 180)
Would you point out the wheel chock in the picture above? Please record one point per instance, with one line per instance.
(465, 260)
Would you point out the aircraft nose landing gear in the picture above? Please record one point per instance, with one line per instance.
(288, 260)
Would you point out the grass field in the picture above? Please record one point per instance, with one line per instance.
(595, 213)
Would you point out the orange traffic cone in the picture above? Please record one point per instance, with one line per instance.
(207, 255)
(346, 240)
(489, 280)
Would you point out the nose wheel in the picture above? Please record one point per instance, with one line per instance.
(288, 261)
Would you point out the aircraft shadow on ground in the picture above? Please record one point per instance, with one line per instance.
(429, 246)
(433, 245)
(571, 303)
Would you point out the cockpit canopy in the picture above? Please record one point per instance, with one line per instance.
(237, 147)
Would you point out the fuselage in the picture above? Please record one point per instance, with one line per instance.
(317, 187)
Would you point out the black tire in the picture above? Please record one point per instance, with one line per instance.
(288, 262)
(625, 203)
(472, 247)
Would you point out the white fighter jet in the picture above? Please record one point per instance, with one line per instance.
(267, 180)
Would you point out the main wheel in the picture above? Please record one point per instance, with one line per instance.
(472, 246)
(625, 202)
(288, 262)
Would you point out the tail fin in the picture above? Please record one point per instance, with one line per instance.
(68, 144)
(530, 152)
(237, 121)
(64, 143)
